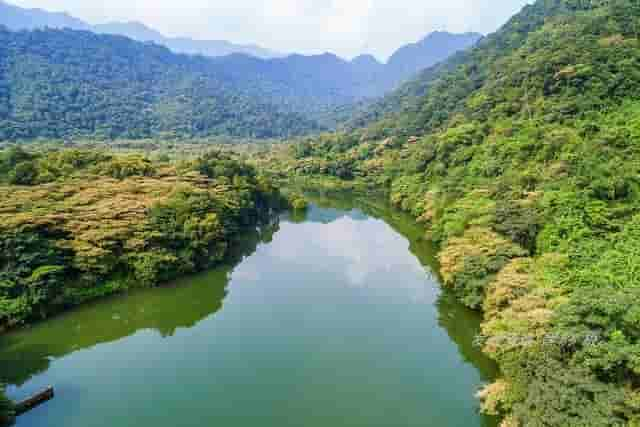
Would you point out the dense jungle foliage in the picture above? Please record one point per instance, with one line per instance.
(523, 164)
(81, 224)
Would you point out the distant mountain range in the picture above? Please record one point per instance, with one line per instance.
(16, 18)
(229, 89)
(404, 63)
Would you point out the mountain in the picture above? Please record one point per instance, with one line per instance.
(367, 65)
(141, 32)
(319, 82)
(307, 92)
(434, 48)
(16, 18)
(325, 88)
(521, 158)
(66, 83)
(51, 87)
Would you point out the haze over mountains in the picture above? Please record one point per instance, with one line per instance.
(16, 18)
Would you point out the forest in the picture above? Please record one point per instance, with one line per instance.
(76, 225)
(521, 159)
(65, 85)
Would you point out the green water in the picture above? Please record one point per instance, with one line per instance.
(327, 319)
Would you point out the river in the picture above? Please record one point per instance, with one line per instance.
(330, 318)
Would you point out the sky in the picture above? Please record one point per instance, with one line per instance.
(344, 27)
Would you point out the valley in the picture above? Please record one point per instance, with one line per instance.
(463, 241)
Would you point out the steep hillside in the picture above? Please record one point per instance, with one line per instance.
(521, 158)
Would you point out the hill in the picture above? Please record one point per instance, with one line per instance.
(521, 158)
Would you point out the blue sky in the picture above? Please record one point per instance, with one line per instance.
(344, 27)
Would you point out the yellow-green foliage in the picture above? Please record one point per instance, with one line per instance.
(469, 263)
(492, 397)
(117, 222)
(297, 202)
(518, 309)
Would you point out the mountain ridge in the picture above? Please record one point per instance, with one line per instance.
(16, 18)
(318, 90)
(214, 48)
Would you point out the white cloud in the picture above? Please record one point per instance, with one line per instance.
(345, 27)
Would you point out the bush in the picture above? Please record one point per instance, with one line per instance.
(298, 202)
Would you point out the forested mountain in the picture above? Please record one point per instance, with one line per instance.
(64, 83)
(16, 18)
(521, 158)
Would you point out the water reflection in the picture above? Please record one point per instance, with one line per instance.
(365, 254)
(164, 309)
(461, 324)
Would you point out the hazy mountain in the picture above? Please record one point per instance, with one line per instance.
(407, 61)
(367, 63)
(17, 18)
(342, 81)
(140, 32)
